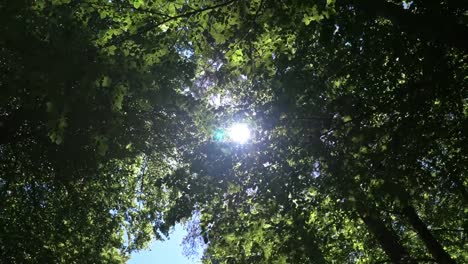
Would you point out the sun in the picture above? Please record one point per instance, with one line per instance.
(239, 133)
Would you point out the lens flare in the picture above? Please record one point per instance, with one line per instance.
(239, 133)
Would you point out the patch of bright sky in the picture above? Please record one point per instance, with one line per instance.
(218, 100)
(165, 252)
(186, 53)
(407, 5)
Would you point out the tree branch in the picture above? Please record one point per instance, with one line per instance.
(448, 230)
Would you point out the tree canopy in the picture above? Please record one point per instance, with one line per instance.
(358, 111)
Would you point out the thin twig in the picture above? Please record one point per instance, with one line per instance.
(448, 230)
(417, 260)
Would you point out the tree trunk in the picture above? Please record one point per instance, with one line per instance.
(386, 238)
(434, 247)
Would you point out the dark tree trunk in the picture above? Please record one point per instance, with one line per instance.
(436, 250)
(386, 237)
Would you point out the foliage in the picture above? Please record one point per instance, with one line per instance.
(355, 107)
(83, 133)
(359, 109)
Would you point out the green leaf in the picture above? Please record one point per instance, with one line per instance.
(138, 3)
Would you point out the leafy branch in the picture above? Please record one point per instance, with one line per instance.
(126, 6)
(151, 26)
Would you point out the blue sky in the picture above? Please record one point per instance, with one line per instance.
(165, 252)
